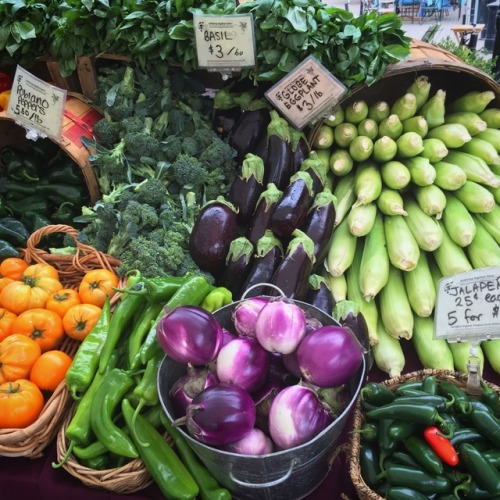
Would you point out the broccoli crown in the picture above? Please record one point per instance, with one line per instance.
(107, 131)
(204, 136)
(151, 191)
(140, 144)
(190, 146)
(171, 147)
(219, 154)
(101, 229)
(188, 171)
(140, 215)
(132, 124)
(121, 109)
(189, 267)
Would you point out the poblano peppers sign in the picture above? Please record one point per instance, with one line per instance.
(36, 105)
(468, 306)
(224, 43)
(306, 92)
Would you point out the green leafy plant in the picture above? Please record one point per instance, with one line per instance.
(480, 59)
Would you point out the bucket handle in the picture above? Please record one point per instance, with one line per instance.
(257, 285)
(269, 484)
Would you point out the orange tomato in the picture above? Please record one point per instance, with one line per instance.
(6, 319)
(4, 282)
(80, 319)
(17, 355)
(49, 369)
(62, 300)
(13, 267)
(37, 283)
(96, 285)
(43, 326)
(21, 403)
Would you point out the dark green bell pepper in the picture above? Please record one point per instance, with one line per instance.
(13, 231)
(33, 203)
(23, 169)
(67, 172)
(59, 193)
(65, 213)
(34, 221)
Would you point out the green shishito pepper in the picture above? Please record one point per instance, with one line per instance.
(169, 473)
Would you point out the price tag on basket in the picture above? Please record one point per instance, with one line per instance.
(468, 306)
(36, 105)
(306, 92)
(224, 43)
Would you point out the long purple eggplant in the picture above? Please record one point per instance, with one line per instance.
(239, 261)
(347, 313)
(248, 130)
(300, 149)
(267, 257)
(279, 151)
(247, 187)
(215, 228)
(315, 166)
(292, 275)
(260, 221)
(319, 294)
(291, 210)
(319, 224)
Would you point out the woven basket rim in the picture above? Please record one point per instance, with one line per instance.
(363, 490)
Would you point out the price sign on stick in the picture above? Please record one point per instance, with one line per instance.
(36, 105)
(306, 92)
(224, 43)
(468, 306)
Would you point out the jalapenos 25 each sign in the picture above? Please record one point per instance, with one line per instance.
(224, 43)
(468, 306)
(36, 105)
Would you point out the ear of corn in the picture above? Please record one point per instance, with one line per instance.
(491, 116)
(471, 121)
(323, 138)
(356, 112)
(379, 111)
(322, 156)
(458, 221)
(384, 149)
(337, 285)
(495, 192)
(369, 128)
(421, 170)
(491, 222)
(453, 135)
(344, 133)
(402, 248)
(475, 197)
(482, 149)
(434, 149)
(491, 350)
(420, 88)
(491, 135)
(483, 250)
(461, 356)
(431, 199)
(361, 148)
(417, 124)
(341, 250)
(388, 353)
(374, 265)
(409, 144)
(368, 309)
(367, 183)
(434, 110)
(390, 202)
(433, 353)
(343, 190)
(361, 218)
(341, 162)
(450, 257)
(336, 117)
(405, 106)
(395, 174)
(420, 288)
(424, 228)
(449, 176)
(390, 126)
(476, 169)
(394, 306)
(474, 101)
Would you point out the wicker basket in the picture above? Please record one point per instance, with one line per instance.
(129, 478)
(364, 491)
(32, 440)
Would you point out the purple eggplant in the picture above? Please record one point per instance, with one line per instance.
(224, 120)
(319, 294)
(347, 313)
(215, 228)
(247, 187)
(267, 257)
(291, 210)
(260, 221)
(292, 274)
(319, 224)
(238, 264)
(279, 151)
(248, 131)
(315, 166)
(300, 149)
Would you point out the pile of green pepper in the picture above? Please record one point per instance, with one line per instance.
(113, 380)
(429, 439)
(40, 184)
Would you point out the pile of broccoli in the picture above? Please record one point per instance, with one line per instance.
(157, 161)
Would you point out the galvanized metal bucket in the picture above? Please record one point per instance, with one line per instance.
(289, 474)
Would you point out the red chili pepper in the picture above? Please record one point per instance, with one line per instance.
(5, 81)
(441, 445)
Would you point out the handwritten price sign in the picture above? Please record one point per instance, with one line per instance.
(305, 92)
(224, 43)
(468, 306)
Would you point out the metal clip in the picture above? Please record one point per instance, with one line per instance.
(473, 373)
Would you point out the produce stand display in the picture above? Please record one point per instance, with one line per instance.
(389, 357)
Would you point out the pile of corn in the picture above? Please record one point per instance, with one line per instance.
(417, 184)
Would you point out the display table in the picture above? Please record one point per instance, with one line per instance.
(466, 29)
(37, 480)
